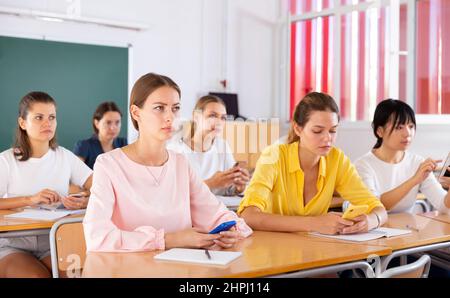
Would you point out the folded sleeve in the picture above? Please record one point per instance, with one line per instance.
(101, 233)
(207, 211)
(368, 176)
(434, 193)
(80, 172)
(259, 191)
(351, 187)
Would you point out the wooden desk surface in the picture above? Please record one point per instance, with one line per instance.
(263, 253)
(10, 224)
(437, 216)
(431, 231)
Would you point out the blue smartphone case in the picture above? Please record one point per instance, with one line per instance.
(223, 227)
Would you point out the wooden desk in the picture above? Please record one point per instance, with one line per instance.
(263, 254)
(431, 235)
(11, 227)
(436, 215)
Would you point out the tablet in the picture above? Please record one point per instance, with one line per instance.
(445, 172)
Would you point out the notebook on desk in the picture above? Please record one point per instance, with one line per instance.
(39, 214)
(371, 235)
(187, 255)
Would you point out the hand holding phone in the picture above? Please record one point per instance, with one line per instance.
(354, 211)
(445, 168)
(223, 227)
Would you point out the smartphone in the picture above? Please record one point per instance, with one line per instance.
(223, 227)
(241, 164)
(77, 195)
(445, 172)
(354, 211)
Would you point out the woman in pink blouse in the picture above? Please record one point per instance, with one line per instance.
(145, 197)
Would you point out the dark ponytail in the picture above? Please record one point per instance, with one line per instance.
(393, 110)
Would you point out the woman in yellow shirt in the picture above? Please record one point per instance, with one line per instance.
(293, 184)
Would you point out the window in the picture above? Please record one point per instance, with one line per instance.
(363, 51)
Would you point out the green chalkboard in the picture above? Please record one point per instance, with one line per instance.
(77, 76)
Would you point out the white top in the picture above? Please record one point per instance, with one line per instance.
(218, 158)
(381, 177)
(55, 170)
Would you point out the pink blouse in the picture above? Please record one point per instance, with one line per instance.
(132, 205)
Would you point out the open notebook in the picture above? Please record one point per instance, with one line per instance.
(188, 255)
(371, 235)
(39, 214)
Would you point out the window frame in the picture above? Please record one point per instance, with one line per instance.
(337, 11)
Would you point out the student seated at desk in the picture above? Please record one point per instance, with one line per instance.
(145, 197)
(36, 170)
(209, 154)
(391, 172)
(293, 184)
(106, 123)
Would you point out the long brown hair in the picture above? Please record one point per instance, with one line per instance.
(314, 101)
(201, 104)
(22, 147)
(145, 86)
(107, 106)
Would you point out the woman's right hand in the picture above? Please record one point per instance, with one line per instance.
(190, 238)
(331, 223)
(425, 168)
(223, 179)
(46, 196)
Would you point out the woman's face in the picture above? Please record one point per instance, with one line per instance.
(156, 118)
(40, 122)
(319, 133)
(400, 138)
(109, 126)
(211, 120)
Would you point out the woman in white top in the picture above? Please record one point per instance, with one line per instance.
(210, 154)
(36, 171)
(390, 171)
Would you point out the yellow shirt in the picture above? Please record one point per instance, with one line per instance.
(278, 182)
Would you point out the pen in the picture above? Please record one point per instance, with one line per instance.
(207, 254)
(412, 228)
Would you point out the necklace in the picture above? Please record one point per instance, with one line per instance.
(162, 173)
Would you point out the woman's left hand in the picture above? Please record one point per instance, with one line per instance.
(361, 225)
(73, 203)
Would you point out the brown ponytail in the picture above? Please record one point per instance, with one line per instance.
(145, 86)
(22, 147)
(314, 101)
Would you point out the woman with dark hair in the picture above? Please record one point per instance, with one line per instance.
(293, 184)
(208, 153)
(106, 123)
(392, 173)
(36, 171)
(145, 197)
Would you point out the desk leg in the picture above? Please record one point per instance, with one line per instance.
(329, 269)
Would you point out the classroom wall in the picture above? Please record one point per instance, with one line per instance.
(185, 41)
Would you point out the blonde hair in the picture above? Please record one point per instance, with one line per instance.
(201, 104)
